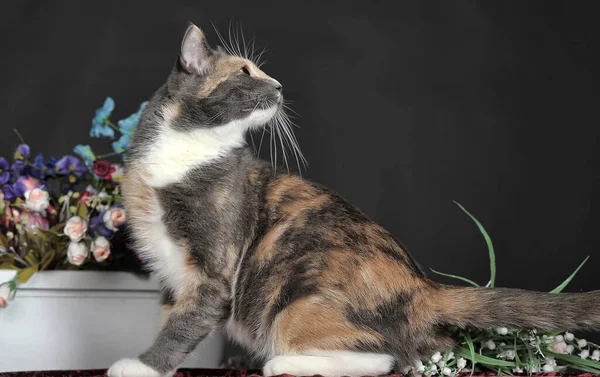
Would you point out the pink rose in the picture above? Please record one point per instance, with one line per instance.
(75, 228)
(114, 218)
(36, 200)
(77, 252)
(37, 221)
(29, 183)
(101, 249)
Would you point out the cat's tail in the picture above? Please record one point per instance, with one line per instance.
(518, 308)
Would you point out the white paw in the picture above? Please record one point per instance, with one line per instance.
(131, 368)
(280, 365)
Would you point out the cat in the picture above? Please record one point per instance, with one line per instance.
(287, 267)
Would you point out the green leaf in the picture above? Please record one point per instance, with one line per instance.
(566, 282)
(471, 351)
(585, 369)
(488, 241)
(483, 360)
(576, 360)
(47, 259)
(456, 277)
(25, 274)
(31, 259)
(83, 211)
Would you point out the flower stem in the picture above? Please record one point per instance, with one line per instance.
(19, 136)
(108, 154)
(112, 125)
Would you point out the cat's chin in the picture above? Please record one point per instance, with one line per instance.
(260, 117)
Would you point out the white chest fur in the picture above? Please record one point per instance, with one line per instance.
(167, 259)
(175, 153)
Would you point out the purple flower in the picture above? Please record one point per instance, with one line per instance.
(69, 165)
(97, 226)
(18, 167)
(22, 152)
(4, 172)
(9, 193)
(37, 170)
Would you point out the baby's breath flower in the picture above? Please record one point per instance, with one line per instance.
(595, 355)
(506, 355)
(584, 354)
(510, 355)
(569, 336)
(548, 368)
(560, 347)
(502, 330)
(436, 357)
(582, 343)
(550, 361)
(431, 371)
(558, 339)
(419, 366)
(461, 363)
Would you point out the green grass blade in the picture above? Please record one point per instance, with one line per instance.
(577, 361)
(488, 241)
(456, 277)
(483, 360)
(585, 369)
(471, 352)
(566, 282)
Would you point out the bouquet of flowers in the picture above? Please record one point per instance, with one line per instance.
(510, 351)
(66, 212)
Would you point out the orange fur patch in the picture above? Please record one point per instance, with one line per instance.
(314, 323)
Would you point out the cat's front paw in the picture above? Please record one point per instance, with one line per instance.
(131, 368)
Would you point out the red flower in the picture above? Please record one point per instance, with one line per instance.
(85, 197)
(103, 169)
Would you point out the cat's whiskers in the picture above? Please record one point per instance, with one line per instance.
(246, 50)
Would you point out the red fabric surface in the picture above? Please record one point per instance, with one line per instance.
(230, 373)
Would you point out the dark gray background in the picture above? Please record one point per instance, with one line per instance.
(405, 107)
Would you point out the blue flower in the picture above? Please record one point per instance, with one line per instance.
(37, 170)
(22, 152)
(97, 226)
(127, 125)
(100, 127)
(86, 154)
(51, 163)
(4, 172)
(69, 165)
(122, 144)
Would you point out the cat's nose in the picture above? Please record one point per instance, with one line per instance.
(277, 85)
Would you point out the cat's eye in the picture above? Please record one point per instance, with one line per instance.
(245, 70)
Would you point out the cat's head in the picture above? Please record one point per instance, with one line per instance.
(215, 87)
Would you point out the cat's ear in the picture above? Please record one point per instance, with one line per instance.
(195, 51)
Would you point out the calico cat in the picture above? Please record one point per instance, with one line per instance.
(288, 268)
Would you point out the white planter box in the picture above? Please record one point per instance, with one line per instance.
(85, 320)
